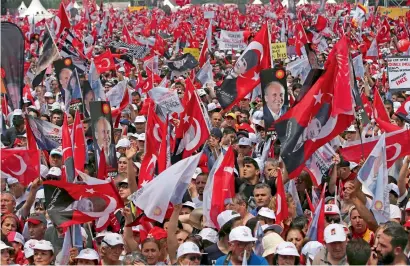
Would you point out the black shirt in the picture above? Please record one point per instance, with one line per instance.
(213, 253)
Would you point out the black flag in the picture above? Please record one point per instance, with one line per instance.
(12, 62)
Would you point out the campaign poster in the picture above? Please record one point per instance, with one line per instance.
(398, 69)
(103, 135)
(279, 50)
(274, 96)
(232, 40)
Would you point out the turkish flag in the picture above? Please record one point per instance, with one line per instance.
(22, 164)
(321, 23)
(397, 146)
(367, 105)
(323, 113)
(104, 62)
(204, 51)
(379, 110)
(404, 110)
(79, 143)
(61, 21)
(383, 34)
(159, 45)
(147, 84)
(300, 38)
(193, 124)
(282, 211)
(68, 167)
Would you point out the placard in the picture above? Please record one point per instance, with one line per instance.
(209, 14)
(232, 40)
(279, 50)
(398, 70)
(193, 51)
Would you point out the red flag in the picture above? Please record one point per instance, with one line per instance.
(222, 186)
(383, 34)
(22, 164)
(27, 94)
(104, 62)
(378, 107)
(367, 106)
(159, 45)
(311, 206)
(404, 110)
(123, 104)
(300, 38)
(203, 55)
(61, 21)
(397, 146)
(282, 211)
(192, 121)
(147, 85)
(321, 115)
(126, 34)
(31, 140)
(321, 23)
(102, 166)
(79, 143)
(68, 167)
(317, 225)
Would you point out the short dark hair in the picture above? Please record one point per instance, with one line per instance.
(250, 160)
(229, 130)
(299, 222)
(399, 236)
(358, 251)
(135, 93)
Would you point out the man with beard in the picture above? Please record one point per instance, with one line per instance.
(391, 245)
(335, 251)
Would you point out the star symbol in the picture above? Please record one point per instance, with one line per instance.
(318, 97)
(186, 118)
(255, 76)
(91, 190)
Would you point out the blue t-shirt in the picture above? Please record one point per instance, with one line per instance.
(253, 260)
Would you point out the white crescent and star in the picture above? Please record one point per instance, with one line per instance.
(397, 152)
(195, 141)
(155, 133)
(105, 60)
(112, 205)
(23, 166)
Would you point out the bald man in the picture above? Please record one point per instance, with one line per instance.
(103, 134)
(274, 94)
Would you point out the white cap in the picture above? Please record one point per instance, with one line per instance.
(334, 233)
(287, 249)
(395, 212)
(28, 248)
(48, 94)
(393, 187)
(43, 170)
(55, 171)
(3, 245)
(121, 69)
(351, 128)
(226, 216)
(140, 119)
(211, 106)
(12, 180)
(331, 209)
(56, 152)
(311, 248)
(270, 242)
(245, 142)
(123, 143)
(101, 234)
(197, 172)
(353, 165)
(201, 92)
(189, 204)
(241, 234)
(44, 245)
(141, 137)
(188, 248)
(88, 254)
(17, 112)
(16, 237)
(209, 234)
(55, 106)
(113, 239)
(274, 227)
(267, 213)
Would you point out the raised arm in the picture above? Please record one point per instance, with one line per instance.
(131, 173)
(172, 241)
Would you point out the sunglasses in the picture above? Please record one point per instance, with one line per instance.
(194, 257)
(123, 185)
(333, 220)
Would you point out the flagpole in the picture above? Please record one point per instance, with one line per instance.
(270, 44)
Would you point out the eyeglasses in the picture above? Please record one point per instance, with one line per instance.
(333, 220)
(123, 185)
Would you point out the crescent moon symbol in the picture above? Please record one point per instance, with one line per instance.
(397, 146)
(327, 128)
(57, 24)
(110, 208)
(146, 85)
(192, 144)
(254, 46)
(105, 60)
(152, 161)
(23, 166)
(155, 132)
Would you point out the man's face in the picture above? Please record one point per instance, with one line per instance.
(244, 104)
(7, 203)
(337, 249)
(140, 127)
(389, 108)
(401, 100)
(240, 66)
(136, 99)
(181, 237)
(358, 224)
(185, 210)
(262, 197)
(249, 171)
(36, 231)
(65, 75)
(216, 120)
(56, 161)
(55, 118)
(113, 253)
(274, 97)
(230, 121)
(344, 172)
(245, 149)
(228, 139)
(238, 248)
(200, 183)
(385, 250)
(213, 141)
(103, 134)
(350, 136)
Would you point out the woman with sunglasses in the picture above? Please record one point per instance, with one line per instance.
(189, 254)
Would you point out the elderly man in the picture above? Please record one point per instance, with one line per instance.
(103, 138)
(335, 251)
(274, 94)
(112, 246)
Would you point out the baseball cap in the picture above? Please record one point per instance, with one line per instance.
(270, 243)
(28, 248)
(188, 248)
(245, 142)
(48, 95)
(351, 128)
(125, 181)
(43, 245)
(231, 115)
(242, 234)
(88, 254)
(56, 152)
(55, 171)
(3, 245)
(267, 213)
(334, 233)
(12, 180)
(15, 237)
(209, 234)
(226, 216)
(140, 119)
(113, 239)
(123, 143)
(141, 137)
(201, 92)
(37, 218)
(197, 172)
(189, 204)
(395, 212)
(157, 233)
(274, 227)
(287, 249)
(211, 107)
(55, 106)
(311, 248)
(216, 132)
(121, 69)
(17, 112)
(393, 187)
(331, 209)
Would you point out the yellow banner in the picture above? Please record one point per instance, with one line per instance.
(136, 8)
(193, 51)
(279, 50)
(393, 12)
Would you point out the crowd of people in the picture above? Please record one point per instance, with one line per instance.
(247, 230)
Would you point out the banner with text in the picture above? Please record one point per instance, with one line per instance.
(232, 40)
(398, 70)
(279, 50)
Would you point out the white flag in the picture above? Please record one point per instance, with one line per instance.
(205, 74)
(169, 186)
(373, 50)
(374, 178)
